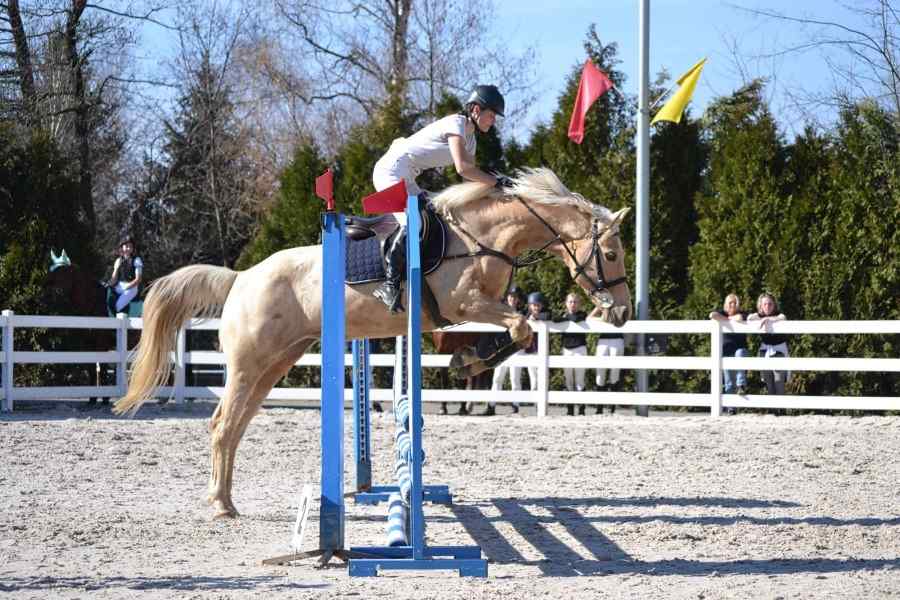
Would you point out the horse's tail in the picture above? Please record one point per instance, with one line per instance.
(194, 291)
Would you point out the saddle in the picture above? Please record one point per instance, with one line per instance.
(365, 254)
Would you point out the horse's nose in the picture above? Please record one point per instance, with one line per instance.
(620, 315)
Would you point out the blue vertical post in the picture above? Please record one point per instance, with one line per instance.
(361, 423)
(414, 373)
(331, 511)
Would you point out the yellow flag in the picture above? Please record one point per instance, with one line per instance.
(672, 109)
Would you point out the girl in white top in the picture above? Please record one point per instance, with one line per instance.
(447, 141)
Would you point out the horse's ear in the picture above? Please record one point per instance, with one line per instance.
(619, 216)
(64, 259)
(53, 257)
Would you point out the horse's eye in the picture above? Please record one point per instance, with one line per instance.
(610, 255)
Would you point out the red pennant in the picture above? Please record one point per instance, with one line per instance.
(325, 189)
(594, 83)
(388, 200)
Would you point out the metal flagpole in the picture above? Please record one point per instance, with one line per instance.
(642, 242)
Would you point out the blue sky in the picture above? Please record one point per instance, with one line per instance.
(681, 32)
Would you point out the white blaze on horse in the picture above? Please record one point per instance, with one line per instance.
(271, 313)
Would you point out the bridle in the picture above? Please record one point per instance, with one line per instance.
(600, 289)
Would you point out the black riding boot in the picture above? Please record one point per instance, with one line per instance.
(389, 291)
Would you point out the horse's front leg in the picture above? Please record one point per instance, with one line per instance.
(468, 362)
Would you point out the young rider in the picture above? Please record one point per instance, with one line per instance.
(447, 141)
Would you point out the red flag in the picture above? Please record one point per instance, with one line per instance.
(594, 83)
(388, 200)
(325, 189)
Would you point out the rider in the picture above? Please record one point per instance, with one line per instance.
(448, 141)
(126, 276)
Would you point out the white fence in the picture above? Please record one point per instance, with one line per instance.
(713, 363)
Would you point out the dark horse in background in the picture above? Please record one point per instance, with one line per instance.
(448, 342)
(74, 292)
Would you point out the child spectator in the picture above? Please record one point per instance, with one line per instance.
(573, 344)
(536, 312)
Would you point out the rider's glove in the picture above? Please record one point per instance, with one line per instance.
(503, 182)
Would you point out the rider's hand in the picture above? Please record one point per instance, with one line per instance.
(503, 182)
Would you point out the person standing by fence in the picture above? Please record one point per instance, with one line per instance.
(608, 344)
(514, 298)
(733, 344)
(770, 344)
(536, 312)
(573, 344)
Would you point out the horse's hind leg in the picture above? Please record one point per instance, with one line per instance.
(229, 422)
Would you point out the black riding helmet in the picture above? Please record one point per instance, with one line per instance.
(488, 96)
(516, 291)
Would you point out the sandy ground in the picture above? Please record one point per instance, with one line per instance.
(94, 506)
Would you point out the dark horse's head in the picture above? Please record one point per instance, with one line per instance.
(71, 290)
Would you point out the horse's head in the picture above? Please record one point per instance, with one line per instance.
(597, 264)
(587, 239)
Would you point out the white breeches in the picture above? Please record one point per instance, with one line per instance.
(609, 347)
(574, 376)
(390, 170)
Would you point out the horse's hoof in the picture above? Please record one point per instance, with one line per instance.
(469, 370)
(463, 356)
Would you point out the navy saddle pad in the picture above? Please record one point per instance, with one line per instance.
(365, 258)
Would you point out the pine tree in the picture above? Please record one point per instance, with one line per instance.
(208, 216)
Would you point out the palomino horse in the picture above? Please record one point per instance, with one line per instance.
(271, 312)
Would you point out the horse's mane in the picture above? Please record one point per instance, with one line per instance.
(539, 185)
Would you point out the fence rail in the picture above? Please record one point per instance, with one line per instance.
(542, 397)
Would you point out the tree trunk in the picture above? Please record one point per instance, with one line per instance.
(82, 115)
(400, 50)
(23, 60)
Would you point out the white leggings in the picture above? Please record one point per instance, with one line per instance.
(389, 171)
(574, 377)
(609, 347)
(125, 296)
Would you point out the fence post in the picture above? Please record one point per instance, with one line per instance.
(8, 381)
(715, 371)
(122, 351)
(180, 348)
(543, 352)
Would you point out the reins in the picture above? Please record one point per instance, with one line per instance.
(600, 287)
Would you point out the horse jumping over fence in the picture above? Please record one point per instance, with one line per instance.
(271, 312)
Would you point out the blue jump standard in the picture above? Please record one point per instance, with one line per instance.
(369, 560)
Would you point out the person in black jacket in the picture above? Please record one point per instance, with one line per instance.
(573, 344)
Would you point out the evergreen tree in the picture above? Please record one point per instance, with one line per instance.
(206, 210)
(741, 208)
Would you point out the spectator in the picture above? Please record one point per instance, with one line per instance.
(574, 344)
(733, 344)
(771, 344)
(608, 344)
(125, 281)
(536, 312)
(514, 298)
